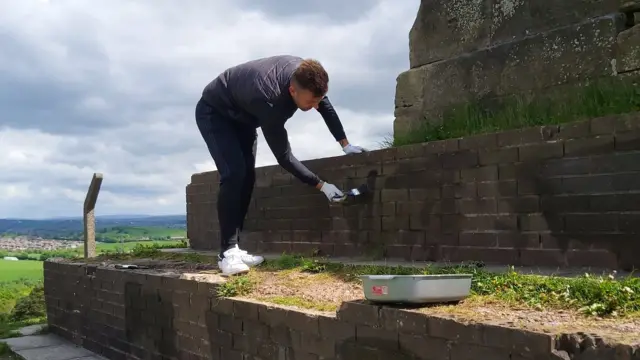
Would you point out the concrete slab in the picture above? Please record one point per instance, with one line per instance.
(49, 347)
(60, 352)
(33, 342)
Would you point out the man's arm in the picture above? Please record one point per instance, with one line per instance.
(330, 116)
(278, 141)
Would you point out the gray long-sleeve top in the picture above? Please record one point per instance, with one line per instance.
(256, 93)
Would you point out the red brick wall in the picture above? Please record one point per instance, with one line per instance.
(126, 315)
(555, 195)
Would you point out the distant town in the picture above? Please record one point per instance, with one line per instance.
(67, 234)
(22, 243)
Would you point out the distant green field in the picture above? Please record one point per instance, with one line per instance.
(139, 232)
(15, 270)
(129, 245)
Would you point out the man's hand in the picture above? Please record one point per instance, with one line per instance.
(353, 149)
(331, 192)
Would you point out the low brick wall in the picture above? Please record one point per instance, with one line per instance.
(549, 196)
(132, 315)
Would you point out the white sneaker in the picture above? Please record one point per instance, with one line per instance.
(232, 262)
(250, 260)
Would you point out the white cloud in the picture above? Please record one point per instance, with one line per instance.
(110, 86)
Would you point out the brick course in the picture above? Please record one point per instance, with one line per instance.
(133, 315)
(562, 195)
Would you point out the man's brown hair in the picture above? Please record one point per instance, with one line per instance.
(311, 76)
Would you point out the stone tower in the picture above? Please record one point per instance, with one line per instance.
(466, 50)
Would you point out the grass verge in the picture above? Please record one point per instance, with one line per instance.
(5, 352)
(591, 295)
(22, 303)
(599, 98)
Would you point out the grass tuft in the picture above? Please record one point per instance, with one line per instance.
(236, 286)
(298, 302)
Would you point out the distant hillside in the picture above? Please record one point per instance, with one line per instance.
(72, 228)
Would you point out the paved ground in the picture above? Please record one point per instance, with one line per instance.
(48, 347)
(31, 330)
(564, 272)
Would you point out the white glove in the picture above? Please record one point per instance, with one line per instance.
(332, 192)
(353, 149)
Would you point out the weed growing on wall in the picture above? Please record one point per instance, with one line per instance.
(236, 286)
(599, 98)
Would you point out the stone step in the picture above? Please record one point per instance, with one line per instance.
(48, 347)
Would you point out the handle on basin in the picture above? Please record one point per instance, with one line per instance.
(380, 277)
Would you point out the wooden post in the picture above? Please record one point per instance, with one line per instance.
(90, 216)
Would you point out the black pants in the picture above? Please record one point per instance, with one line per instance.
(232, 147)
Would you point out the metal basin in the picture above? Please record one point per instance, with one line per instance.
(416, 289)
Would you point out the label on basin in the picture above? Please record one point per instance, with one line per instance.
(380, 290)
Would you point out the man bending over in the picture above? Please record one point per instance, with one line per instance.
(261, 93)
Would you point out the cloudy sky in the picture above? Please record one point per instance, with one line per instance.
(110, 86)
